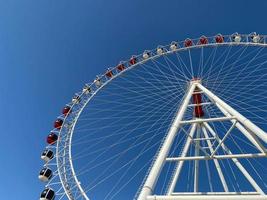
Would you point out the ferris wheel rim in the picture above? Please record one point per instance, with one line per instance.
(167, 51)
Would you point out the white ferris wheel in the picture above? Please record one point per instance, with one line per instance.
(183, 121)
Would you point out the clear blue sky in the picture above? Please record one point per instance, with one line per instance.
(49, 49)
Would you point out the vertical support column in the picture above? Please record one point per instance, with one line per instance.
(196, 169)
(164, 151)
(180, 163)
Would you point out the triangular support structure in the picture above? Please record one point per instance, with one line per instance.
(251, 131)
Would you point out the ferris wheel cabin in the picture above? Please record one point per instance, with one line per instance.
(45, 174)
(58, 123)
(66, 110)
(51, 138)
(47, 194)
(47, 155)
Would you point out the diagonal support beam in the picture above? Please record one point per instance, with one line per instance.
(179, 165)
(194, 142)
(224, 138)
(246, 122)
(236, 161)
(250, 136)
(216, 162)
(153, 175)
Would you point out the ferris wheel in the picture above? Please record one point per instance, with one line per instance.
(183, 121)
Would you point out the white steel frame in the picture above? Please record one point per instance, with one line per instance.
(249, 129)
(63, 156)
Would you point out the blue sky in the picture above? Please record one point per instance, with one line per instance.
(49, 49)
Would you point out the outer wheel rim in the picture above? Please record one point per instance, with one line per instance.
(86, 98)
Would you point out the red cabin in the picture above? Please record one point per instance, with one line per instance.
(188, 43)
(51, 138)
(66, 110)
(197, 100)
(133, 60)
(219, 38)
(121, 67)
(203, 40)
(109, 73)
(58, 123)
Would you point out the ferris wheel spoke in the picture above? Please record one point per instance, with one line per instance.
(179, 67)
(201, 63)
(134, 175)
(191, 63)
(136, 122)
(249, 88)
(150, 139)
(177, 76)
(218, 61)
(222, 65)
(106, 148)
(249, 111)
(213, 73)
(256, 172)
(240, 52)
(241, 151)
(256, 68)
(159, 83)
(209, 58)
(144, 148)
(176, 145)
(129, 133)
(244, 68)
(120, 127)
(183, 66)
(138, 109)
(133, 102)
(161, 69)
(161, 77)
(182, 76)
(209, 70)
(230, 71)
(114, 145)
(156, 85)
(235, 186)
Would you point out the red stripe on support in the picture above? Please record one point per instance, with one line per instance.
(197, 99)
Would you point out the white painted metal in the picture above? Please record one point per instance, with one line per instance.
(200, 104)
(200, 148)
(245, 43)
(236, 161)
(213, 193)
(154, 173)
(209, 197)
(216, 162)
(200, 120)
(250, 136)
(157, 166)
(209, 138)
(249, 155)
(180, 163)
(224, 138)
(196, 167)
(246, 122)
